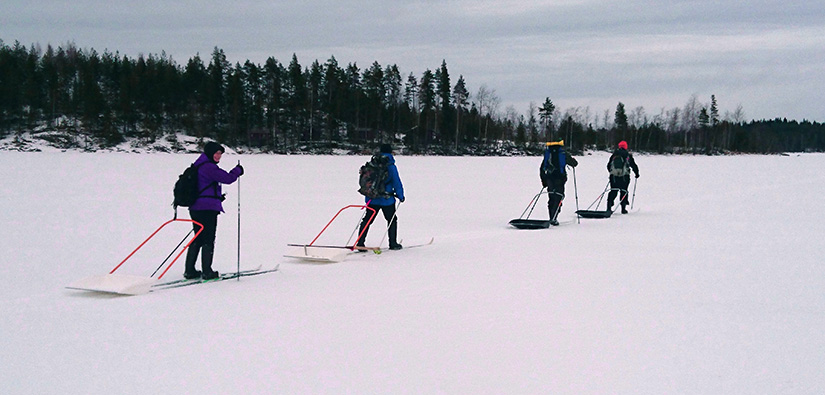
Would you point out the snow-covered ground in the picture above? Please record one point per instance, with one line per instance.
(715, 286)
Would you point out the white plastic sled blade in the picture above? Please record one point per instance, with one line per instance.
(317, 254)
(122, 284)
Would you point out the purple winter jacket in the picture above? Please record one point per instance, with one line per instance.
(208, 173)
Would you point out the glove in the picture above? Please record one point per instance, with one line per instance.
(240, 168)
(637, 175)
(401, 199)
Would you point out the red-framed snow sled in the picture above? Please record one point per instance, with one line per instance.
(331, 253)
(523, 222)
(127, 284)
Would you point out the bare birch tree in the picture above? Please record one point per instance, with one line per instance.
(690, 118)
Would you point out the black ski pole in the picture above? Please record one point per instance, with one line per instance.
(358, 225)
(389, 224)
(634, 192)
(558, 209)
(173, 251)
(576, 192)
(239, 226)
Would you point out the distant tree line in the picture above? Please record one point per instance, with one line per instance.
(281, 107)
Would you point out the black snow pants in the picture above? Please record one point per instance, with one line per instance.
(205, 242)
(618, 185)
(555, 191)
(389, 215)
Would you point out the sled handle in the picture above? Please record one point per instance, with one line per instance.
(361, 206)
(532, 204)
(153, 235)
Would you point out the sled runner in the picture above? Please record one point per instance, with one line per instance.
(329, 253)
(126, 284)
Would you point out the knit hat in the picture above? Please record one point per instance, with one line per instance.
(385, 149)
(552, 143)
(623, 144)
(210, 148)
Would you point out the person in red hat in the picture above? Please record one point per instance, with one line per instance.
(619, 166)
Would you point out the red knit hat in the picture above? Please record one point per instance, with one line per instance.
(623, 144)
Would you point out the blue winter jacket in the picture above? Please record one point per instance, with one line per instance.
(393, 187)
(209, 173)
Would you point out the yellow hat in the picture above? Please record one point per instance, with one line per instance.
(551, 143)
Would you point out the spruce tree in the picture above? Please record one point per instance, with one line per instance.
(546, 116)
(426, 100)
(444, 94)
(460, 100)
(620, 121)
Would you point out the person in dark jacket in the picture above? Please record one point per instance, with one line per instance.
(385, 205)
(206, 208)
(620, 175)
(553, 175)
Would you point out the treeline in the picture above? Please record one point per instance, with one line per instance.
(281, 107)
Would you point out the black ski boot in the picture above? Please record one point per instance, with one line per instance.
(191, 257)
(392, 232)
(192, 275)
(624, 209)
(210, 275)
(359, 245)
(206, 262)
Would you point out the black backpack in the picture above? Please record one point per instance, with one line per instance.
(372, 177)
(554, 161)
(619, 165)
(186, 188)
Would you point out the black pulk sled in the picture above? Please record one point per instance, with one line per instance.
(523, 222)
(594, 212)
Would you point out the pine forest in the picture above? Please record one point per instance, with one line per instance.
(85, 98)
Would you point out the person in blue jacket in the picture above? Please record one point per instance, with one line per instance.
(553, 174)
(206, 208)
(386, 205)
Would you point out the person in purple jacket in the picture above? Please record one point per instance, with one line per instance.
(385, 204)
(206, 208)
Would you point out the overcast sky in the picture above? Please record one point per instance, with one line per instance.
(767, 56)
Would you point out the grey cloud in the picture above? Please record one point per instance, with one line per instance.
(766, 55)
